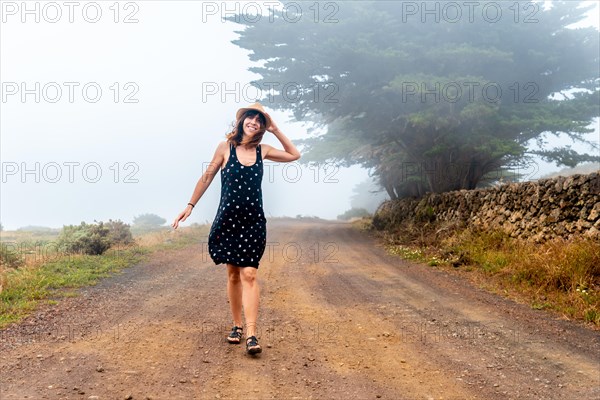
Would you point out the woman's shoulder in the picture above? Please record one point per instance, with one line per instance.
(222, 148)
(223, 145)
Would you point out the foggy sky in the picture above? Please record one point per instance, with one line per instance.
(150, 147)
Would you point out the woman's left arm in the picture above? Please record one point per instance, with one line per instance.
(289, 152)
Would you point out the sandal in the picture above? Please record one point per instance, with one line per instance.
(235, 337)
(252, 346)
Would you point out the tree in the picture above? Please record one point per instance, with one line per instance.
(148, 222)
(431, 106)
(367, 195)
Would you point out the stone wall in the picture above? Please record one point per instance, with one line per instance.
(548, 208)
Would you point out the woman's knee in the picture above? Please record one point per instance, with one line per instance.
(248, 275)
(233, 274)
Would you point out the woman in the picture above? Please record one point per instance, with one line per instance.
(238, 234)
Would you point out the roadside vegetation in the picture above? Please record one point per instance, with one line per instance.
(562, 276)
(40, 267)
(354, 213)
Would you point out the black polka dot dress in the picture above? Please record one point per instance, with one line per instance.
(238, 234)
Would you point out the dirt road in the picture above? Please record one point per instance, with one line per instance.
(339, 319)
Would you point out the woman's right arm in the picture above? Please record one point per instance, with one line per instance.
(204, 182)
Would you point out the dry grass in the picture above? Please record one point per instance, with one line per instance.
(562, 275)
(151, 239)
(172, 238)
(559, 275)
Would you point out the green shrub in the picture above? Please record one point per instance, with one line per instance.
(90, 239)
(119, 232)
(94, 239)
(354, 213)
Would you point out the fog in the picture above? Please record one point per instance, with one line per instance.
(109, 120)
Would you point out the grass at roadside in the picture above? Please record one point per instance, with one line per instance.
(27, 286)
(45, 277)
(559, 275)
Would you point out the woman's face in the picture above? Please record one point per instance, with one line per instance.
(252, 125)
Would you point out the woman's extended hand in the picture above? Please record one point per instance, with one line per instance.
(182, 217)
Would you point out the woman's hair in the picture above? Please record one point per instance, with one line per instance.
(236, 136)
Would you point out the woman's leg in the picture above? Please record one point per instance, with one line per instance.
(234, 293)
(250, 296)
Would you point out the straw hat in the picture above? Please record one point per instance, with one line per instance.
(255, 106)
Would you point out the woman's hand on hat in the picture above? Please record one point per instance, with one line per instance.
(273, 127)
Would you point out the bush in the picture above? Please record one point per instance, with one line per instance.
(119, 232)
(90, 239)
(94, 239)
(354, 213)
